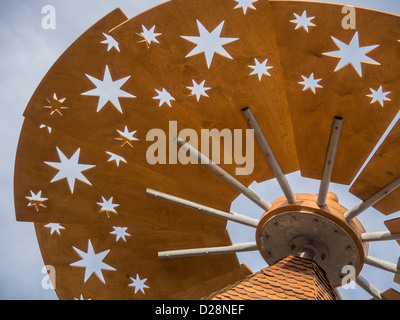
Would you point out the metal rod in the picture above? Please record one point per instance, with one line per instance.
(368, 287)
(269, 155)
(379, 236)
(329, 161)
(250, 194)
(382, 264)
(364, 205)
(248, 221)
(242, 247)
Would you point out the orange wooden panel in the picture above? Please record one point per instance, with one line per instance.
(382, 169)
(391, 294)
(344, 92)
(393, 226)
(135, 256)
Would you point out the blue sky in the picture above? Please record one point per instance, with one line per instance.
(27, 53)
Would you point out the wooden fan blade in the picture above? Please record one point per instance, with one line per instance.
(391, 294)
(344, 92)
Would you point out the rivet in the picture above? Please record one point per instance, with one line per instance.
(348, 248)
(323, 257)
(292, 247)
(315, 221)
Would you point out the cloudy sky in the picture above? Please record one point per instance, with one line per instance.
(27, 53)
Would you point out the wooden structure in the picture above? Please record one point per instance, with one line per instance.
(277, 67)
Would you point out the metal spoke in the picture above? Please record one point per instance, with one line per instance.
(368, 287)
(364, 205)
(329, 161)
(382, 264)
(251, 222)
(269, 155)
(241, 247)
(379, 236)
(250, 194)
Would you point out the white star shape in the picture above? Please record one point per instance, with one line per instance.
(107, 206)
(310, 83)
(45, 126)
(111, 42)
(379, 96)
(126, 136)
(352, 54)
(164, 96)
(36, 200)
(209, 43)
(138, 284)
(303, 21)
(149, 35)
(245, 4)
(198, 90)
(70, 169)
(92, 262)
(54, 227)
(260, 68)
(116, 158)
(120, 232)
(108, 90)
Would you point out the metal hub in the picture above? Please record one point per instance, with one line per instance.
(309, 235)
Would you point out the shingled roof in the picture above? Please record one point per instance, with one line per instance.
(292, 278)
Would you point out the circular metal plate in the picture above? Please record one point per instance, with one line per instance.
(288, 232)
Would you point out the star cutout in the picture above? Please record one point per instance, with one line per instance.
(303, 21)
(36, 200)
(81, 298)
(245, 4)
(260, 68)
(120, 232)
(70, 169)
(56, 105)
(107, 206)
(209, 43)
(310, 83)
(92, 262)
(115, 157)
(352, 54)
(149, 35)
(108, 90)
(164, 96)
(46, 127)
(111, 42)
(138, 284)
(379, 96)
(126, 137)
(198, 90)
(54, 227)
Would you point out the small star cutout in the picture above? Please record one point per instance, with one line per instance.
(198, 90)
(303, 21)
(56, 105)
(81, 298)
(149, 35)
(379, 96)
(310, 83)
(352, 54)
(70, 169)
(260, 68)
(126, 137)
(92, 262)
(54, 227)
(111, 42)
(116, 158)
(108, 90)
(245, 4)
(46, 127)
(107, 206)
(36, 200)
(164, 96)
(120, 233)
(138, 284)
(209, 43)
